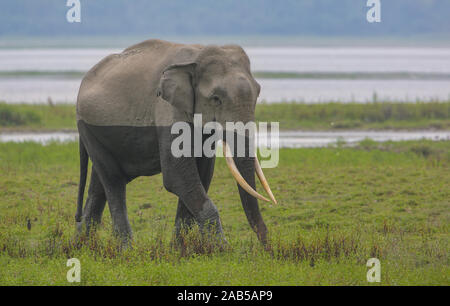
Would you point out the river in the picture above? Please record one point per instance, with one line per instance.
(287, 139)
(321, 74)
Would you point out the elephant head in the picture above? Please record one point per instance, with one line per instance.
(217, 83)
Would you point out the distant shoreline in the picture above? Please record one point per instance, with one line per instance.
(101, 41)
(400, 75)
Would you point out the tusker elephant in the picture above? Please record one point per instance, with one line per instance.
(126, 107)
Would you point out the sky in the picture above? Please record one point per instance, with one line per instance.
(399, 18)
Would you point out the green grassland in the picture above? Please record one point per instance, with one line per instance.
(376, 115)
(37, 117)
(327, 116)
(338, 207)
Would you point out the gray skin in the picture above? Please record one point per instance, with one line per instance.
(126, 106)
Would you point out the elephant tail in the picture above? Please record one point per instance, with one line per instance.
(84, 159)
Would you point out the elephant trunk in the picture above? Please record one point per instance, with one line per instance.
(243, 169)
(246, 166)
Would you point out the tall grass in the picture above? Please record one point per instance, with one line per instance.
(37, 117)
(10, 116)
(356, 115)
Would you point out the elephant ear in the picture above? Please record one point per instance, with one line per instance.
(176, 86)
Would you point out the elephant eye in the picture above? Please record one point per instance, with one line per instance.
(216, 100)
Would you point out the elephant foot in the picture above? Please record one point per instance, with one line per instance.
(125, 238)
(201, 244)
(79, 227)
(126, 244)
(201, 239)
(206, 232)
(86, 226)
(81, 231)
(222, 243)
(208, 218)
(85, 233)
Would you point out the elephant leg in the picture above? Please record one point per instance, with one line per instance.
(184, 218)
(113, 180)
(181, 177)
(95, 203)
(116, 196)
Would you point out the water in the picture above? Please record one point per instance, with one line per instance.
(374, 60)
(43, 138)
(304, 139)
(273, 90)
(38, 90)
(287, 139)
(316, 91)
(358, 59)
(307, 59)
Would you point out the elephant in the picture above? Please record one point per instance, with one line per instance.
(126, 106)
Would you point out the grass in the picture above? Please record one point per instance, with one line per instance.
(338, 208)
(40, 117)
(13, 117)
(49, 74)
(327, 116)
(378, 115)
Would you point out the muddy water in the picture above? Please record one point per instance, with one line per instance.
(287, 139)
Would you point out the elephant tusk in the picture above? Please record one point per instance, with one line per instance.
(263, 180)
(237, 176)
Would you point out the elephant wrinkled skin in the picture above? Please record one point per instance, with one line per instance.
(126, 106)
